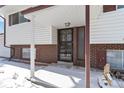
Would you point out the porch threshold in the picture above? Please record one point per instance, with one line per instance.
(63, 64)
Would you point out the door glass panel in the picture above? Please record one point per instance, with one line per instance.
(62, 36)
(62, 47)
(69, 35)
(81, 44)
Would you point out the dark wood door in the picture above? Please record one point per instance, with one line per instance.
(101, 59)
(65, 45)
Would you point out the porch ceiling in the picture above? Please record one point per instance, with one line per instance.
(58, 15)
(9, 9)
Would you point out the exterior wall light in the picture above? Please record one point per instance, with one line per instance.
(67, 24)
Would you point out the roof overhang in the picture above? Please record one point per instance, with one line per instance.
(33, 9)
(10, 9)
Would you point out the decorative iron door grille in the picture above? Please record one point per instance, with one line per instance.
(65, 45)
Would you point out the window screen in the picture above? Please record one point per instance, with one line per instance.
(120, 6)
(115, 58)
(26, 53)
(22, 19)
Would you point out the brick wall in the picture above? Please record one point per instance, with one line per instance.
(98, 53)
(16, 52)
(108, 8)
(44, 53)
(48, 53)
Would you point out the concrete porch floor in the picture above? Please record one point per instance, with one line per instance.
(67, 76)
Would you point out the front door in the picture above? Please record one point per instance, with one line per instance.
(65, 45)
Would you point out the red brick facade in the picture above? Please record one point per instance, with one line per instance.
(44, 53)
(48, 53)
(98, 53)
(108, 8)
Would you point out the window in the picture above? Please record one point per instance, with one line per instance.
(26, 53)
(115, 58)
(120, 6)
(17, 18)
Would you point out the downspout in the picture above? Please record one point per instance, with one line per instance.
(5, 37)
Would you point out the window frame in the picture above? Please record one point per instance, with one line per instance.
(23, 57)
(11, 18)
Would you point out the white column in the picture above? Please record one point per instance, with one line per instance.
(32, 48)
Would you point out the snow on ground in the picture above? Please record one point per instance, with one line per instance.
(14, 74)
(67, 77)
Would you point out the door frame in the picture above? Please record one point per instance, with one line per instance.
(74, 47)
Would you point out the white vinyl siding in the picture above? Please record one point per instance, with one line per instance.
(4, 52)
(47, 21)
(54, 35)
(108, 28)
(45, 35)
(21, 34)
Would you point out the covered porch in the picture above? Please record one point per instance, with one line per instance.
(65, 20)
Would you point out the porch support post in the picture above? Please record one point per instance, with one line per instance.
(87, 46)
(32, 49)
